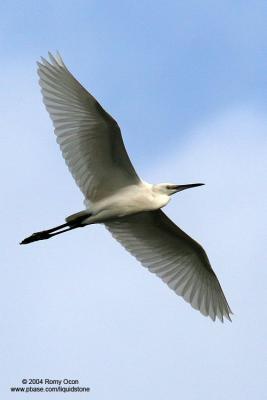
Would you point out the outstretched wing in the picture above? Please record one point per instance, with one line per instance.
(175, 257)
(89, 138)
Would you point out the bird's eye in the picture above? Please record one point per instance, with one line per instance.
(168, 187)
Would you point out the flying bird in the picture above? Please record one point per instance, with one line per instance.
(130, 208)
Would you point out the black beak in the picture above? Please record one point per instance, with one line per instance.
(179, 188)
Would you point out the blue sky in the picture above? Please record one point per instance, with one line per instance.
(187, 83)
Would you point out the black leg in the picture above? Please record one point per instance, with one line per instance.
(43, 235)
(64, 230)
(47, 234)
(56, 228)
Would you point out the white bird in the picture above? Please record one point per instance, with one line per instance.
(92, 145)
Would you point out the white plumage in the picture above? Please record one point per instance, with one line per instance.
(92, 145)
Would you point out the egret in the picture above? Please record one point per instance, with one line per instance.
(130, 208)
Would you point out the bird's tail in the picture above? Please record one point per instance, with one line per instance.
(78, 217)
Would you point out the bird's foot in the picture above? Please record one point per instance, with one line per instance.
(36, 236)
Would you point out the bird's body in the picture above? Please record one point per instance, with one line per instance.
(126, 201)
(92, 145)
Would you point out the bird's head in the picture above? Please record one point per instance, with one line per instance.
(171, 188)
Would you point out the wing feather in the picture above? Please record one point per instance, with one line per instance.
(89, 138)
(176, 258)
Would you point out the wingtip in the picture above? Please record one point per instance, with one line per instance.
(228, 317)
(53, 59)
